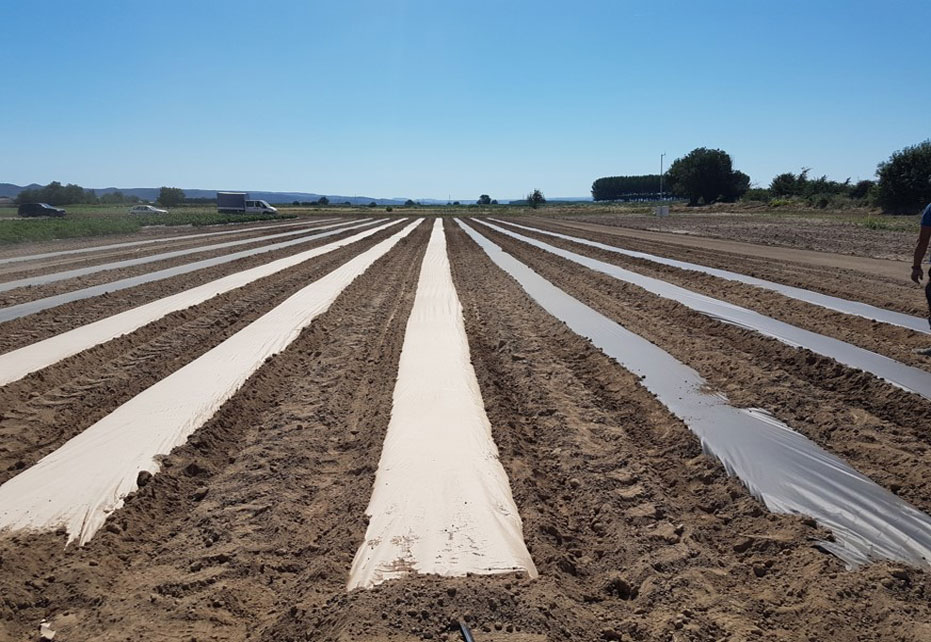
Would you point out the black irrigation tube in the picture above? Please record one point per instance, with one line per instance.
(466, 633)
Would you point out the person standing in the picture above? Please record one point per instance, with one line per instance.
(924, 236)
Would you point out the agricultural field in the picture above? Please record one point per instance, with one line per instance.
(857, 231)
(560, 425)
(82, 221)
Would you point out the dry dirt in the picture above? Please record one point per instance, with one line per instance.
(41, 325)
(33, 292)
(249, 531)
(882, 431)
(892, 341)
(834, 233)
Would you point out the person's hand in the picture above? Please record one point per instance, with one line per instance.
(917, 273)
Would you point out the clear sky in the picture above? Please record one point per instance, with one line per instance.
(425, 98)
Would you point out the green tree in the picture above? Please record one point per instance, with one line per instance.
(783, 185)
(323, 200)
(484, 199)
(409, 203)
(535, 199)
(170, 196)
(904, 184)
(861, 189)
(114, 197)
(626, 188)
(57, 194)
(707, 175)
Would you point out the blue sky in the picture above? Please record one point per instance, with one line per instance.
(433, 98)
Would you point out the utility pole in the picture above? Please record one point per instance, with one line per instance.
(661, 176)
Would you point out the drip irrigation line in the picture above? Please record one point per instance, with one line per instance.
(466, 633)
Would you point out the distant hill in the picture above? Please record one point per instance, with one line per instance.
(10, 190)
(151, 193)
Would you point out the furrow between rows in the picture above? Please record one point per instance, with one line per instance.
(262, 509)
(787, 471)
(35, 298)
(846, 306)
(99, 303)
(875, 427)
(847, 277)
(18, 363)
(78, 485)
(900, 375)
(441, 503)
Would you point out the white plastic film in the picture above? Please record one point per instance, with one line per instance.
(897, 373)
(45, 303)
(16, 364)
(441, 503)
(43, 279)
(781, 467)
(78, 485)
(856, 308)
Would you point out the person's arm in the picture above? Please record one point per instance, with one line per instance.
(924, 236)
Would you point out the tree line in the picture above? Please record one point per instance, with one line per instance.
(707, 176)
(627, 188)
(702, 175)
(57, 194)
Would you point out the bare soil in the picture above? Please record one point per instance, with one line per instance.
(46, 408)
(888, 284)
(880, 430)
(41, 325)
(837, 233)
(12, 271)
(33, 292)
(249, 530)
(892, 341)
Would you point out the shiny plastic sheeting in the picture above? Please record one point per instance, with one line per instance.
(16, 364)
(78, 485)
(441, 502)
(788, 472)
(837, 304)
(896, 373)
(31, 307)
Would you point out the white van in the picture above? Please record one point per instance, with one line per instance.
(260, 206)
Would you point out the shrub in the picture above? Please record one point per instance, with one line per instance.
(905, 179)
(535, 199)
(757, 194)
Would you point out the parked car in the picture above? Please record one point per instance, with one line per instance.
(39, 209)
(146, 209)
